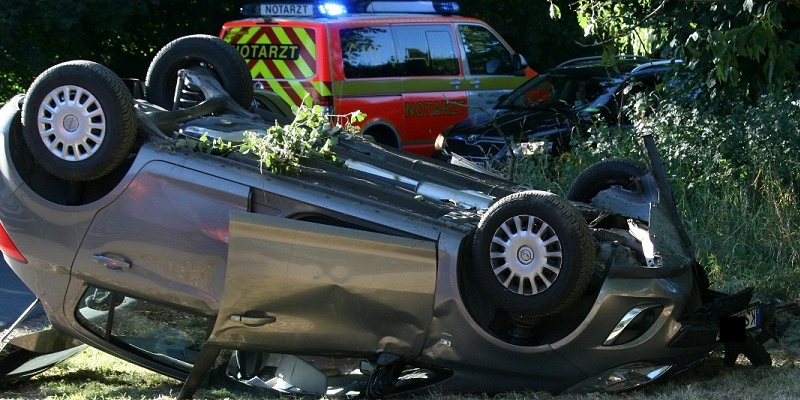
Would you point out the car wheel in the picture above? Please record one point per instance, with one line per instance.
(198, 50)
(624, 172)
(533, 253)
(79, 120)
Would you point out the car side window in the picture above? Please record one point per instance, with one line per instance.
(368, 53)
(486, 54)
(426, 50)
(166, 335)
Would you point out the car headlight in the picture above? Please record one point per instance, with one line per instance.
(438, 144)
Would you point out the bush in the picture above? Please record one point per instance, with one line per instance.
(733, 168)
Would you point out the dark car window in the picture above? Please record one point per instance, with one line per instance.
(378, 52)
(368, 53)
(426, 50)
(563, 91)
(166, 335)
(486, 54)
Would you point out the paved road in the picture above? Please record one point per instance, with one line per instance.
(14, 296)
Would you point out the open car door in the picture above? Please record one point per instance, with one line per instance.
(296, 287)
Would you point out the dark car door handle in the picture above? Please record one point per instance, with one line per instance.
(253, 318)
(112, 261)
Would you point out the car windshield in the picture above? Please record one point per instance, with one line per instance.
(576, 92)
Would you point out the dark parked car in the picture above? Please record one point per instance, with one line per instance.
(375, 273)
(543, 114)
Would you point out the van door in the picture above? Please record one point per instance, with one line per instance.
(304, 288)
(434, 90)
(489, 70)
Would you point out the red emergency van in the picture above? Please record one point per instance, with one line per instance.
(413, 67)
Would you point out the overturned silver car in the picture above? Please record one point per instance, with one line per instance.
(380, 273)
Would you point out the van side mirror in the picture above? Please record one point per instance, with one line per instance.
(519, 63)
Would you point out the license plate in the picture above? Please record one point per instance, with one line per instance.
(752, 317)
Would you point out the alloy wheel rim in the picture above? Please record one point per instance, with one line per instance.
(526, 255)
(72, 123)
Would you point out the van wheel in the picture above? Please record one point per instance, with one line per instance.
(79, 120)
(382, 135)
(533, 254)
(198, 50)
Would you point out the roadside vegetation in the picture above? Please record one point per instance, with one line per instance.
(733, 169)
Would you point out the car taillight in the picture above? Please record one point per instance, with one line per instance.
(8, 247)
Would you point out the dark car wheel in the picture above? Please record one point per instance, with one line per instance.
(198, 50)
(79, 120)
(624, 172)
(533, 253)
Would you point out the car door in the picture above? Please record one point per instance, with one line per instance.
(306, 288)
(489, 67)
(164, 238)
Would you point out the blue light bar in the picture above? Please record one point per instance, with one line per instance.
(421, 6)
(332, 9)
(446, 7)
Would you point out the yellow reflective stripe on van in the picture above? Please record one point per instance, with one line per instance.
(283, 59)
(369, 87)
(240, 34)
(275, 52)
(304, 95)
(323, 88)
(278, 88)
(293, 92)
(306, 42)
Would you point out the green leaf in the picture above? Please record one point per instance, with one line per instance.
(555, 11)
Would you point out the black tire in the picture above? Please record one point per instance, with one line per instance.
(79, 120)
(533, 253)
(624, 172)
(198, 51)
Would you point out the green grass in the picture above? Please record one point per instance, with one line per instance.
(96, 375)
(747, 240)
